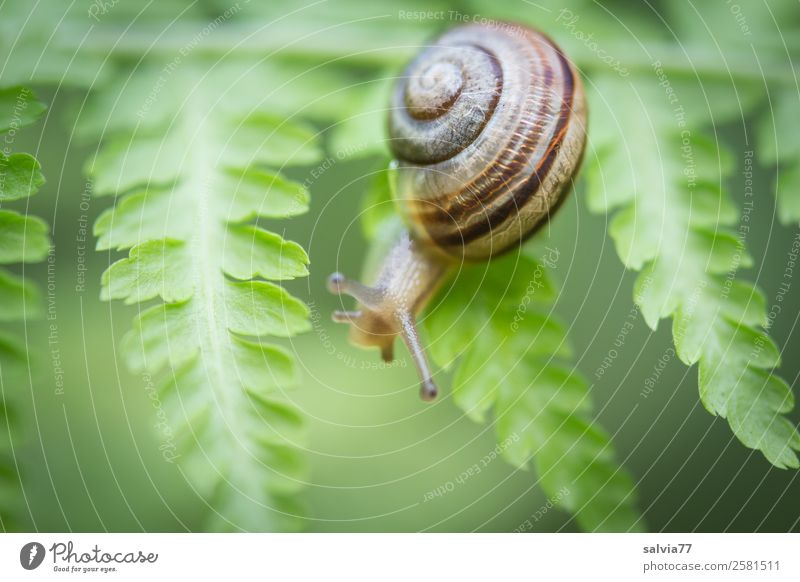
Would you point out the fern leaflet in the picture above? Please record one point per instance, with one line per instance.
(675, 224)
(192, 194)
(23, 239)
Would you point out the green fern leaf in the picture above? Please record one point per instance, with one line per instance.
(494, 326)
(23, 239)
(514, 362)
(671, 225)
(191, 199)
(18, 108)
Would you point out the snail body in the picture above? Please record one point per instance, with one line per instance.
(488, 128)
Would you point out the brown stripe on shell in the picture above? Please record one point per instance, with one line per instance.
(515, 196)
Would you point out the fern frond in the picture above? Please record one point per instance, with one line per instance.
(514, 360)
(193, 190)
(23, 239)
(675, 224)
(494, 326)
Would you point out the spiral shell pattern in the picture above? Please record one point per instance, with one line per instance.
(488, 126)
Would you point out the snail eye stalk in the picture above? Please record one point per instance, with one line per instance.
(383, 316)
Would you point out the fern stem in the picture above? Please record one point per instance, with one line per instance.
(207, 275)
(373, 48)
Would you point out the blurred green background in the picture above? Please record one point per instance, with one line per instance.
(91, 460)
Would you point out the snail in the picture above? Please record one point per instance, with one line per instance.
(488, 127)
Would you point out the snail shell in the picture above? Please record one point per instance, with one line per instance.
(488, 125)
